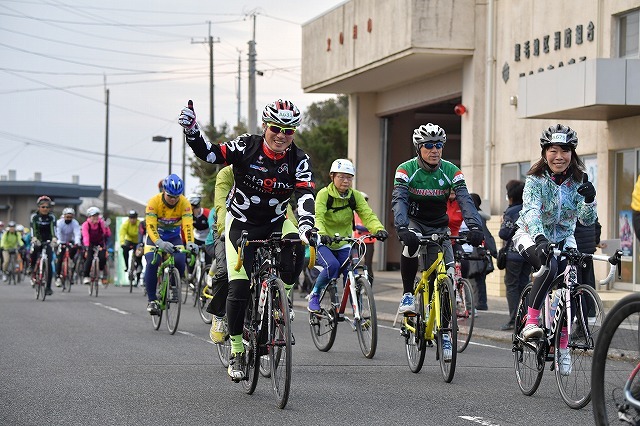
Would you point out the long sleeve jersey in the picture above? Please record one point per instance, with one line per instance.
(11, 240)
(263, 181)
(165, 222)
(43, 226)
(129, 231)
(68, 232)
(95, 234)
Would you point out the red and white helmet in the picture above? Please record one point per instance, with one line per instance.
(283, 113)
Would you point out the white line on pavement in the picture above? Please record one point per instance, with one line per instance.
(111, 308)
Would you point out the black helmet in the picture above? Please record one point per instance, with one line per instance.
(559, 135)
(133, 213)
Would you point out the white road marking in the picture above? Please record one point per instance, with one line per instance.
(471, 343)
(186, 333)
(479, 420)
(111, 308)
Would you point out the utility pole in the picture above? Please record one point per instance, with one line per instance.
(252, 115)
(239, 82)
(210, 40)
(105, 195)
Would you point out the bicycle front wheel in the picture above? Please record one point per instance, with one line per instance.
(203, 302)
(413, 330)
(528, 361)
(37, 281)
(573, 367)
(448, 330)
(173, 303)
(279, 343)
(323, 325)
(367, 325)
(464, 312)
(615, 358)
(44, 279)
(250, 340)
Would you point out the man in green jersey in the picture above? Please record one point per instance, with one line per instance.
(419, 201)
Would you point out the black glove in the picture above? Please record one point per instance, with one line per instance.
(409, 238)
(310, 236)
(475, 237)
(542, 249)
(381, 235)
(325, 240)
(587, 191)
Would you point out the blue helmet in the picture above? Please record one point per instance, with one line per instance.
(173, 185)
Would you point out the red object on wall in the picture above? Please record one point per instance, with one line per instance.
(341, 38)
(328, 44)
(459, 109)
(369, 25)
(355, 31)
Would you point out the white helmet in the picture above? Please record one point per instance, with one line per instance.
(283, 113)
(68, 210)
(20, 228)
(194, 199)
(92, 211)
(342, 165)
(428, 133)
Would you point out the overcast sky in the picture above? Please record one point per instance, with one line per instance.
(55, 56)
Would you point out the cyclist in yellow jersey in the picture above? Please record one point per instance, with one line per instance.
(129, 235)
(167, 214)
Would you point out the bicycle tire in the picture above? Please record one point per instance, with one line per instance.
(615, 356)
(367, 326)
(172, 307)
(64, 274)
(575, 387)
(224, 351)
(528, 365)
(265, 366)
(93, 276)
(324, 325)
(197, 271)
(37, 282)
(280, 345)
(414, 341)
(203, 302)
(464, 311)
(44, 279)
(448, 326)
(11, 270)
(131, 271)
(250, 340)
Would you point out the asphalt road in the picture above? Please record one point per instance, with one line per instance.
(80, 360)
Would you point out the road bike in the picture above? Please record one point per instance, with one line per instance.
(95, 275)
(465, 310)
(358, 293)
(14, 268)
(78, 266)
(616, 364)
(204, 292)
(169, 285)
(42, 269)
(570, 309)
(133, 271)
(267, 325)
(195, 280)
(66, 267)
(435, 317)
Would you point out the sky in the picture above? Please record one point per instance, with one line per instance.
(58, 58)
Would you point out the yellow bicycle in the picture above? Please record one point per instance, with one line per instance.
(435, 317)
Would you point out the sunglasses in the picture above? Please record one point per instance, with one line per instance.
(430, 145)
(45, 207)
(286, 130)
(173, 197)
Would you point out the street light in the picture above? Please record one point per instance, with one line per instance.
(164, 139)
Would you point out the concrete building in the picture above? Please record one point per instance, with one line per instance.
(512, 68)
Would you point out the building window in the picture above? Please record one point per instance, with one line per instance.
(629, 35)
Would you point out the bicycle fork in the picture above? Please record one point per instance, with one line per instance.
(351, 286)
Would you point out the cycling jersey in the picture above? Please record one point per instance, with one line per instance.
(201, 225)
(263, 181)
(43, 226)
(68, 232)
(95, 234)
(165, 222)
(129, 231)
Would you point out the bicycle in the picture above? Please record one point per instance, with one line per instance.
(132, 270)
(435, 315)
(169, 284)
(14, 272)
(203, 290)
(41, 271)
(616, 363)
(465, 310)
(196, 278)
(94, 272)
(65, 270)
(356, 290)
(78, 266)
(557, 316)
(267, 325)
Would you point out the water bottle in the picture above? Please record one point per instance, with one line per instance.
(263, 297)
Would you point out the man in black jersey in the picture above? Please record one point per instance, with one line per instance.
(43, 224)
(267, 169)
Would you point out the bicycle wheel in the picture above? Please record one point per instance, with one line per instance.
(173, 304)
(37, 281)
(44, 279)
(265, 366)
(93, 275)
(448, 327)
(65, 275)
(615, 358)
(224, 350)
(203, 302)
(528, 365)
(251, 357)
(414, 341)
(197, 281)
(574, 383)
(279, 344)
(464, 312)
(323, 325)
(367, 326)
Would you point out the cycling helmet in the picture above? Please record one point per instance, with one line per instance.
(428, 133)
(283, 113)
(133, 213)
(11, 224)
(342, 165)
(173, 185)
(19, 228)
(92, 211)
(559, 135)
(194, 199)
(68, 210)
(43, 199)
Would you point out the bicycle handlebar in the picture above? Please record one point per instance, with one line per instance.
(274, 239)
(614, 260)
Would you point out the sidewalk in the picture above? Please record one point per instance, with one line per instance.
(387, 289)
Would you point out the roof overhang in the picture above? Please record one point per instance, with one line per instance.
(595, 89)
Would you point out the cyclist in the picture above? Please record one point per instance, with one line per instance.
(335, 206)
(11, 241)
(167, 213)
(200, 225)
(43, 224)
(556, 194)
(69, 236)
(419, 201)
(129, 236)
(95, 232)
(25, 236)
(268, 169)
